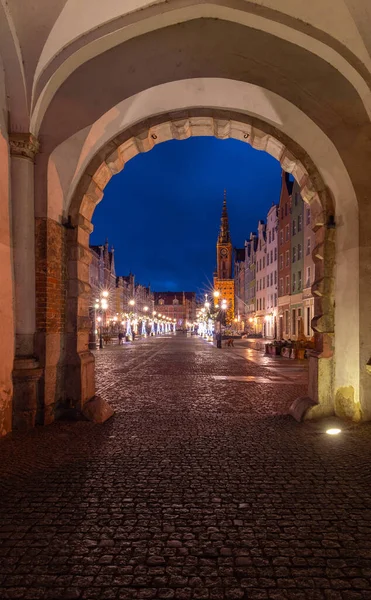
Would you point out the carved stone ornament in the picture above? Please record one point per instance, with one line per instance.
(23, 144)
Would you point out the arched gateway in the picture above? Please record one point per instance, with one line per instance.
(91, 99)
(142, 138)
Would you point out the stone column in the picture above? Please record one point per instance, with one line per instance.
(321, 362)
(26, 372)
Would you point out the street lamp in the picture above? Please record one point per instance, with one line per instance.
(103, 305)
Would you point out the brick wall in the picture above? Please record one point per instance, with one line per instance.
(50, 251)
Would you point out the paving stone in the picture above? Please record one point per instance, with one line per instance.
(197, 488)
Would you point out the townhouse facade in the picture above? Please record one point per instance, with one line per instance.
(251, 246)
(121, 293)
(279, 270)
(261, 274)
(271, 303)
(240, 312)
(284, 257)
(178, 306)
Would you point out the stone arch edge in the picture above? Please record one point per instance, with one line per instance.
(180, 125)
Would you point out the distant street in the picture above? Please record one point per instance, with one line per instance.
(200, 487)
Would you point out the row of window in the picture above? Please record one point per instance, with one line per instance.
(270, 278)
(296, 321)
(261, 262)
(297, 254)
(296, 283)
(271, 237)
(297, 226)
(260, 302)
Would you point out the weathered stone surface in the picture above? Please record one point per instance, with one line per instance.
(299, 407)
(97, 410)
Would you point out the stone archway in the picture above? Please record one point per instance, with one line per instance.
(182, 125)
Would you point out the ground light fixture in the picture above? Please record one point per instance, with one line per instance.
(333, 431)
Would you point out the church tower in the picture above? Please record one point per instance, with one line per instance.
(223, 278)
(224, 245)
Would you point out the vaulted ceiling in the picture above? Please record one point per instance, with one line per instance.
(45, 42)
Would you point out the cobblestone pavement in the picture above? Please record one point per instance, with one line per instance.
(198, 488)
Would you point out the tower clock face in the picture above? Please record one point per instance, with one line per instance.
(224, 253)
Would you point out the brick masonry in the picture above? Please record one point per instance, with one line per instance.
(50, 250)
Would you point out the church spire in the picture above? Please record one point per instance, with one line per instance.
(224, 234)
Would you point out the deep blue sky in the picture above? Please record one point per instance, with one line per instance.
(162, 212)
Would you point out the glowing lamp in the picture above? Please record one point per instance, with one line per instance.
(333, 431)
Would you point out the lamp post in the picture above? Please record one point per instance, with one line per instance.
(102, 304)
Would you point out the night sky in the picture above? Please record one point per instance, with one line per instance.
(162, 212)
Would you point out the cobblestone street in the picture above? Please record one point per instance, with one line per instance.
(200, 487)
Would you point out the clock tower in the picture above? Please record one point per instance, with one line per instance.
(223, 279)
(224, 246)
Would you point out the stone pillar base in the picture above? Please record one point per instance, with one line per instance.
(320, 386)
(80, 380)
(26, 376)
